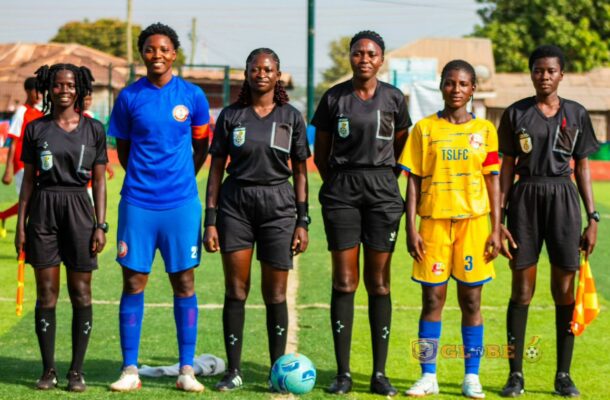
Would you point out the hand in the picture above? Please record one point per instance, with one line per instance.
(109, 171)
(300, 240)
(588, 239)
(210, 239)
(507, 236)
(7, 178)
(415, 245)
(493, 244)
(98, 241)
(19, 240)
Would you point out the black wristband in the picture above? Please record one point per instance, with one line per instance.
(210, 217)
(303, 219)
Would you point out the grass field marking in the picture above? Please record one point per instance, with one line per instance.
(293, 313)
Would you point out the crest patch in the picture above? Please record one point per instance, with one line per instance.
(475, 140)
(525, 141)
(121, 249)
(239, 136)
(180, 113)
(46, 160)
(343, 127)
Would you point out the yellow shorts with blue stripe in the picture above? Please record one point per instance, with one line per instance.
(454, 248)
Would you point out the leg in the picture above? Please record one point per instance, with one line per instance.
(469, 298)
(377, 282)
(522, 291)
(274, 283)
(562, 288)
(79, 288)
(47, 290)
(345, 276)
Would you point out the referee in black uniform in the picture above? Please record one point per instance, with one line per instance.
(57, 223)
(261, 133)
(361, 128)
(539, 136)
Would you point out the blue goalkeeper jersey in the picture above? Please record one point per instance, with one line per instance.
(160, 124)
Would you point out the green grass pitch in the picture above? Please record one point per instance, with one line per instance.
(19, 356)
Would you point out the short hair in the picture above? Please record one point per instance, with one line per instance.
(45, 79)
(547, 51)
(459, 65)
(371, 35)
(280, 97)
(158, 29)
(29, 84)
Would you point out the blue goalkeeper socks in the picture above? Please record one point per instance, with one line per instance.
(186, 314)
(131, 312)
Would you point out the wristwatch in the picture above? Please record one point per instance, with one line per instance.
(103, 226)
(594, 216)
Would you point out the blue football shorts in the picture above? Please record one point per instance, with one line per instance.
(175, 232)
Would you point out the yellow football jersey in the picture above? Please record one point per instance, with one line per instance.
(451, 160)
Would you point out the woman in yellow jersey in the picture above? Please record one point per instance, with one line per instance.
(452, 158)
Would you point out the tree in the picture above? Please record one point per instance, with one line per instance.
(107, 35)
(516, 27)
(339, 55)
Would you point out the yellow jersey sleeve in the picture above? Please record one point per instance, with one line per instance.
(411, 158)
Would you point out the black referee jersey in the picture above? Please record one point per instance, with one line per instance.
(260, 147)
(362, 130)
(544, 145)
(64, 158)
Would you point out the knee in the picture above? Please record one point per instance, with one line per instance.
(433, 303)
(274, 296)
(378, 288)
(522, 294)
(47, 295)
(470, 305)
(237, 291)
(81, 296)
(562, 294)
(345, 284)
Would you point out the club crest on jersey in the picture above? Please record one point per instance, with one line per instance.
(525, 141)
(239, 136)
(438, 268)
(121, 249)
(343, 127)
(180, 113)
(46, 160)
(475, 140)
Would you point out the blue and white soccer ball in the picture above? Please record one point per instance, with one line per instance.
(293, 373)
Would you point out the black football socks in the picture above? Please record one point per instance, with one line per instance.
(82, 324)
(516, 322)
(565, 337)
(277, 329)
(233, 316)
(342, 319)
(380, 320)
(45, 331)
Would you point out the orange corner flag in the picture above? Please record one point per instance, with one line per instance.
(20, 283)
(587, 303)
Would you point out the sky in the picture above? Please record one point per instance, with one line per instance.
(228, 30)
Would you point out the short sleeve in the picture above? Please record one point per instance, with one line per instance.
(506, 134)
(28, 149)
(300, 147)
(16, 127)
(201, 115)
(220, 145)
(587, 143)
(120, 118)
(321, 118)
(411, 156)
(402, 119)
(101, 156)
(491, 165)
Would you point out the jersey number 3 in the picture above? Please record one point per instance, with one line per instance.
(468, 266)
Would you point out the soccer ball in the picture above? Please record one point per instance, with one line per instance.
(293, 373)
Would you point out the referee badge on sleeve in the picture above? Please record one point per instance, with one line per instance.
(46, 160)
(343, 127)
(525, 141)
(239, 136)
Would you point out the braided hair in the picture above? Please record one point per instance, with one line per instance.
(280, 97)
(371, 35)
(45, 80)
(459, 65)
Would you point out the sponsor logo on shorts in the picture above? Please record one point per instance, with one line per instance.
(525, 141)
(239, 136)
(438, 268)
(180, 113)
(121, 249)
(46, 160)
(343, 127)
(475, 140)
(393, 236)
